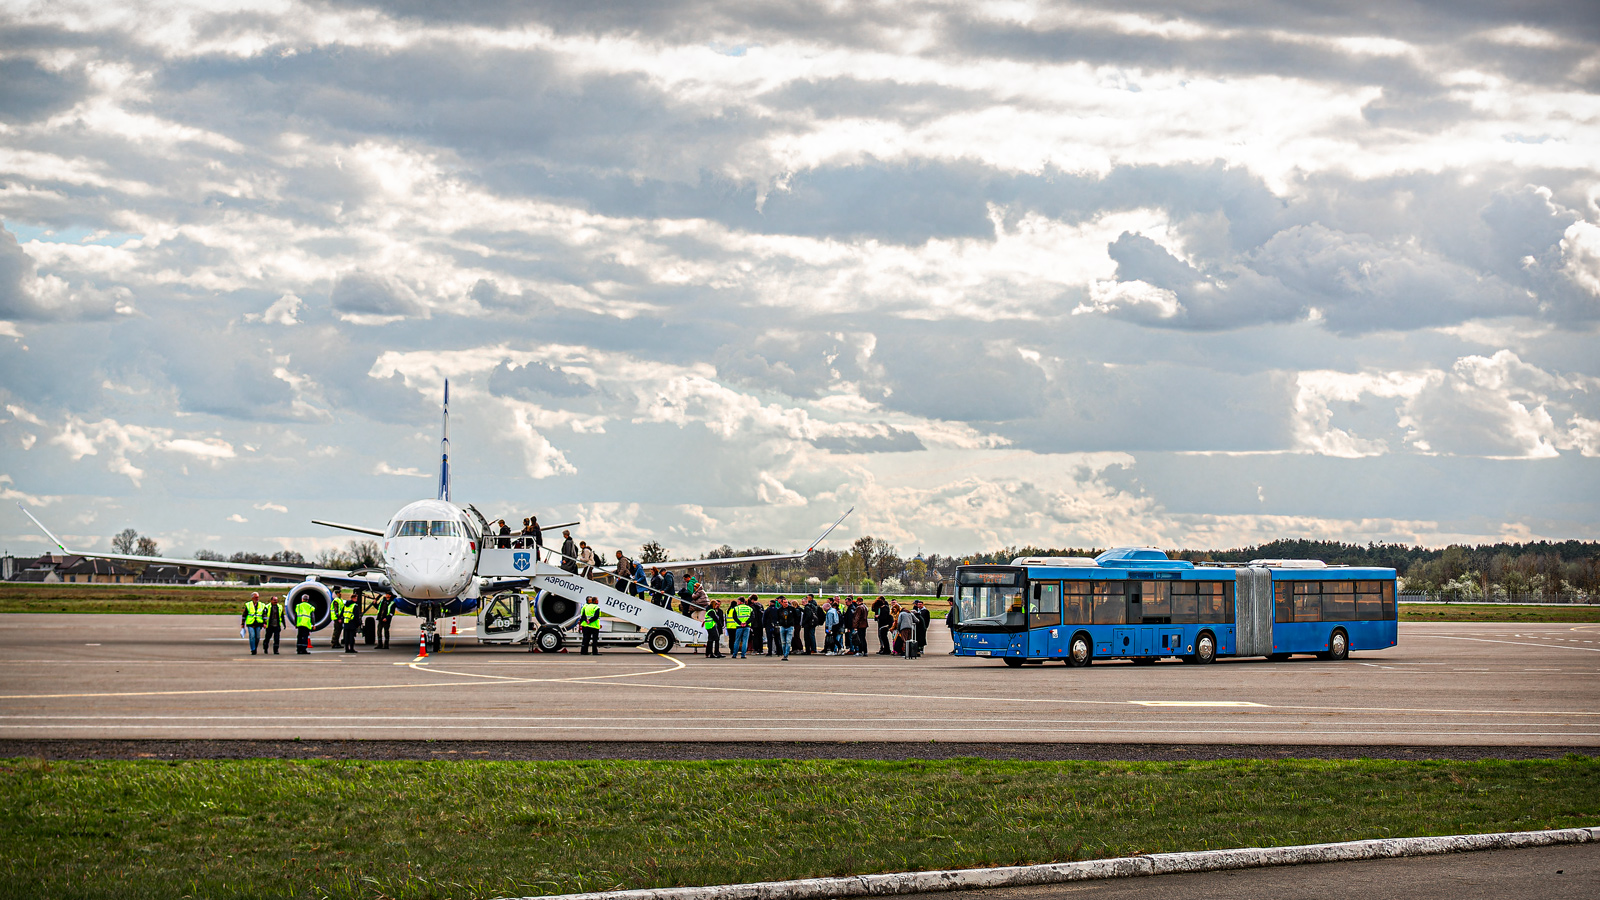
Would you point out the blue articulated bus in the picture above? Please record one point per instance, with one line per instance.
(1134, 603)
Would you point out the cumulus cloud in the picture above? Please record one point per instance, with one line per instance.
(374, 299)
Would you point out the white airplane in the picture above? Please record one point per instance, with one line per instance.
(431, 551)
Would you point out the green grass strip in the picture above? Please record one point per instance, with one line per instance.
(261, 828)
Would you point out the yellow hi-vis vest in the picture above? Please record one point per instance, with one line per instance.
(741, 616)
(589, 616)
(302, 614)
(255, 612)
(352, 612)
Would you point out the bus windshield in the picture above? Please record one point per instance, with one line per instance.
(991, 604)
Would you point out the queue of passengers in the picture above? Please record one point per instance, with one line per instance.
(790, 626)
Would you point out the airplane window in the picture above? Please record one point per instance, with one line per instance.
(444, 529)
(413, 529)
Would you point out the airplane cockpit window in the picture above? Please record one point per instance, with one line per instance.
(413, 529)
(394, 528)
(444, 528)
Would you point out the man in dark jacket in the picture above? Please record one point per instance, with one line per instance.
(923, 617)
(861, 628)
(569, 552)
(758, 624)
(885, 622)
(810, 618)
(774, 622)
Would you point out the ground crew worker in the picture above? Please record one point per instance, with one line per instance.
(715, 622)
(739, 616)
(303, 611)
(385, 616)
(352, 622)
(254, 616)
(270, 635)
(589, 626)
(337, 613)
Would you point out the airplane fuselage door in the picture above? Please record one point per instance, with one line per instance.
(504, 619)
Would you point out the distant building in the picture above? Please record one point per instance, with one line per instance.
(161, 574)
(95, 571)
(199, 575)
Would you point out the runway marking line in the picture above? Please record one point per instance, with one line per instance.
(349, 687)
(1195, 703)
(1449, 637)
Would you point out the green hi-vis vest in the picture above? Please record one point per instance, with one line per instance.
(302, 614)
(710, 623)
(352, 612)
(590, 616)
(741, 616)
(255, 612)
(386, 608)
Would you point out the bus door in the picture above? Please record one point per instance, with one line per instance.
(1044, 620)
(1144, 641)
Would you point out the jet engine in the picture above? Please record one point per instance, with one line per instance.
(554, 609)
(321, 602)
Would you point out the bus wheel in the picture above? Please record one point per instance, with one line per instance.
(1338, 647)
(1081, 653)
(1205, 649)
(1014, 662)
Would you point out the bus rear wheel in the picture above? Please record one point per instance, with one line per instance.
(1014, 662)
(1080, 653)
(1338, 647)
(1205, 649)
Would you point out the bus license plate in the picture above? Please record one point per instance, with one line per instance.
(983, 652)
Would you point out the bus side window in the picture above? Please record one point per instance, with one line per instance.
(1110, 604)
(1369, 601)
(1215, 602)
(1388, 600)
(1075, 603)
(1184, 610)
(1157, 600)
(1307, 601)
(1338, 601)
(1045, 606)
(1284, 607)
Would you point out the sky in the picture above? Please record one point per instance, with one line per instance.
(991, 273)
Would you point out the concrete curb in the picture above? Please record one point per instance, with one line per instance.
(1122, 867)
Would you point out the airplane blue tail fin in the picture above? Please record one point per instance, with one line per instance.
(444, 448)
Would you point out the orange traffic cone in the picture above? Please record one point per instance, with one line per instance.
(422, 646)
(453, 625)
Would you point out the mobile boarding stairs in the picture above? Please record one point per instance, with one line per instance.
(545, 612)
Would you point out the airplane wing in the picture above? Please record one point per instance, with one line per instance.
(742, 560)
(373, 581)
(359, 529)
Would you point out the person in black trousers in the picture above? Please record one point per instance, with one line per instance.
(274, 630)
(811, 617)
(924, 618)
(885, 622)
(715, 623)
(758, 624)
(385, 618)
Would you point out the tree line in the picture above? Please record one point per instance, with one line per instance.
(1533, 567)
